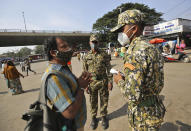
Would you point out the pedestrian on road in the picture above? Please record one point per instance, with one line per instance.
(22, 65)
(79, 56)
(4, 62)
(97, 62)
(2, 65)
(28, 66)
(65, 92)
(13, 78)
(144, 77)
(109, 52)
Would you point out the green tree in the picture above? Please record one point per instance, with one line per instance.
(39, 49)
(24, 52)
(103, 25)
(10, 54)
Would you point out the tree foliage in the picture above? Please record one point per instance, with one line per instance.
(39, 49)
(24, 52)
(10, 54)
(103, 25)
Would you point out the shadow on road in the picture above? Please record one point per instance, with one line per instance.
(162, 97)
(179, 126)
(4, 92)
(183, 126)
(118, 113)
(168, 126)
(37, 73)
(32, 90)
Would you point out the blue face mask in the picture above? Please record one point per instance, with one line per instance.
(93, 46)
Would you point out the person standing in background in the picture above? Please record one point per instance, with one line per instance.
(79, 56)
(13, 78)
(97, 62)
(28, 66)
(22, 65)
(4, 62)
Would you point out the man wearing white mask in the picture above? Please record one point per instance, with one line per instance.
(144, 76)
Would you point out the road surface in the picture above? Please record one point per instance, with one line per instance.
(176, 95)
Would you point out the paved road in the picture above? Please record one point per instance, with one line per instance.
(176, 96)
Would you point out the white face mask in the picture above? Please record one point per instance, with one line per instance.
(123, 38)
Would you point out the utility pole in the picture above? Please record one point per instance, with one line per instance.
(24, 21)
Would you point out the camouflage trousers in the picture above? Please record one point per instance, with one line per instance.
(145, 128)
(145, 125)
(102, 91)
(145, 120)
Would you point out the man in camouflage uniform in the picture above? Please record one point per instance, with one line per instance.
(97, 62)
(144, 77)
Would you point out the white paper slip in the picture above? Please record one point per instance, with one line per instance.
(114, 71)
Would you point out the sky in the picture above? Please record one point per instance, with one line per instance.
(74, 15)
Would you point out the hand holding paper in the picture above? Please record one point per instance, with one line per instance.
(117, 75)
(114, 71)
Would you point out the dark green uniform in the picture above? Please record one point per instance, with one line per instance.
(98, 64)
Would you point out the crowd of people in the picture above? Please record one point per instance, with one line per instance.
(141, 83)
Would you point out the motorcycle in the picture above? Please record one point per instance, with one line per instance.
(180, 56)
(169, 56)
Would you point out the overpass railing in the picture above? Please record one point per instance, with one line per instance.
(41, 31)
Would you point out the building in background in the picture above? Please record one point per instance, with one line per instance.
(176, 29)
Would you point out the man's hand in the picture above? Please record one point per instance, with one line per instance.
(110, 86)
(84, 80)
(117, 77)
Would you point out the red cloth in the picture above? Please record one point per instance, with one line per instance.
(69, 63)
(157, 40)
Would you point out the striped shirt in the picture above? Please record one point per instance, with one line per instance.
(61, 91)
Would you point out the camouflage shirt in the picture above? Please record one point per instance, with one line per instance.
(143, 68)
(98, 64)
(144, 80)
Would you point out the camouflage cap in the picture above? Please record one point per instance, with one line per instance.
(93, 37)
(129, 17)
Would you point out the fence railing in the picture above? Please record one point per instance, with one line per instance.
(41, 31)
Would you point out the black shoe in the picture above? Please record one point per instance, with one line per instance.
(94, 123)
(105, 123)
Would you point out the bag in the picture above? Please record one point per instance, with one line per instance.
(40, 117)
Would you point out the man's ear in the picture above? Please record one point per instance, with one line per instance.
(135, 29)
(53, 53)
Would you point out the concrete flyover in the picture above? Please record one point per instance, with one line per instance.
(17, 37)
